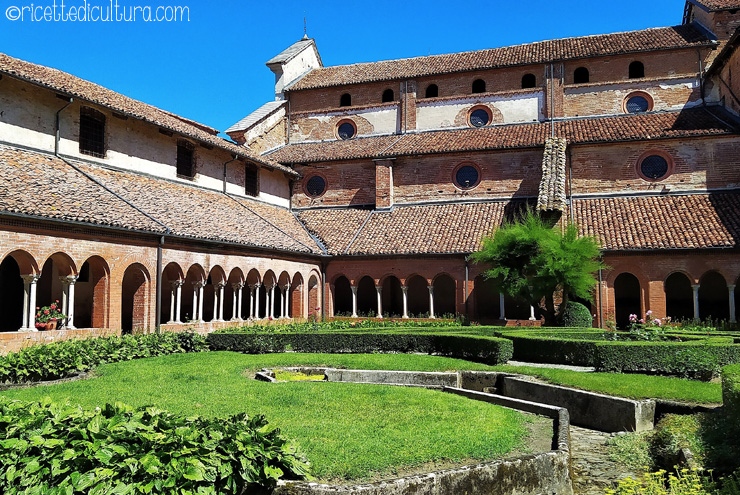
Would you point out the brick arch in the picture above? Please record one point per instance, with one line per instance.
(50, 287)
(417, 294)
(392, 295)
(627, 297)
(714, 301)
(92, 294)
(194, 277)
(297, 304)
(254, 277)
(12, 289)
(342, 295)
(314, 293)
(367, 300)
(679, 295)
(135, 295)
(26, 262)
(445, 294)
(64, 263)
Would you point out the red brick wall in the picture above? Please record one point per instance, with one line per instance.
(348, 183)
(384, 183)
(722, 24)
(729, 85)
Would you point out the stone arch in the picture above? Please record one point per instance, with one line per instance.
(392, 296)
(25, 261)
(297, 304)
(231, 294)
(367, 297)
(314, 295)
(195, 279)
(342, 296)
(445, 290)
(417, 296)
(173, 280)
(135, 296)
(487, 297)
(679, 296)
(91, 296)
(714, 298)
(627, 298)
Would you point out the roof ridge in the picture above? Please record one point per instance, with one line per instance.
(357, 234)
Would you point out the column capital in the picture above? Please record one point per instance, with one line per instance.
(30, 279)
(379, 288)
(255, 286)
(68, 279)
(177, 283)
(353, 288)
(731, 286)
(199, 284)
(405, 289)
(238, 285)
(286, 287)
(695, 286)
(431, 289)
(220, 285)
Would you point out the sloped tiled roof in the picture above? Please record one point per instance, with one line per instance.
(692, 122)
(68, 84)
(714, 5)
(46, 187)
(404, 230)
(256, 116)
(697, 221)
(684, 36)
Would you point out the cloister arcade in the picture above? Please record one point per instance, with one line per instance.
(89, 295)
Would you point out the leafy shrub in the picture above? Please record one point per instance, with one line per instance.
(675, 432)
(52, 448)
(341, 324)
(576, 315)
(731, 390)
(485, 349)
(572, 348)
(67, 358)
(684, 482)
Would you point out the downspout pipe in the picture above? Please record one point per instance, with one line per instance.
(57, 126)
(235, 158)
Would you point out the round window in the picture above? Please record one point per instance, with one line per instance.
(346, 130)
(466, 177)
(479, 117)
(637, 104)
(654, 167)
(315, 186)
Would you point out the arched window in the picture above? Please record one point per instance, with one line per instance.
(529, 81)
(388, 96)
(345, 100)
(432, 91)
(581, 76)
(637, 70)
(479, 86)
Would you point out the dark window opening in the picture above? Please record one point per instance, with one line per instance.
(637, 104)
(466, 177)
(250, 181)
(185, 158)
(479, 86)
(581, 76)
(346, 130)
(479, 118)
(636, 70)
(654, 167)
(432, 91)
(315, 186)
(84, 275)
(92, 132)
(388, 96)
(345, 100)
(529, 81)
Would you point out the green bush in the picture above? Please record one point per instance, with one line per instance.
(52, 448)
(673, 433)
(572, 348)
(489, 350)
(576, 315)
(731, 390)
(67, 358)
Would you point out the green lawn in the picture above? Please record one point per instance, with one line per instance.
(348, 431)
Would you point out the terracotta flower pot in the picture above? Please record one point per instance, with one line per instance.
(51, 324)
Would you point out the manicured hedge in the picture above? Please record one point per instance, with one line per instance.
(67, 358)
(731, 391)
(577, 315)
(48, 448)
(550, 349)
(490, 350)
(689, 359)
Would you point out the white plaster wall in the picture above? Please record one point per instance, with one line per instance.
(441, 114)
(27, 116)
(264, 125)
(299, 65)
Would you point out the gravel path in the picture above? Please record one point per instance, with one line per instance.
(592, 469)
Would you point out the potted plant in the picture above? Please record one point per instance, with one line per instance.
(48, 317)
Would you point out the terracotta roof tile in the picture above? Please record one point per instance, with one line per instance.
(692, 122)
(68, 84)
(713, 5)
(44, 186)
(335, 228)
(684, 36)
(696, 221)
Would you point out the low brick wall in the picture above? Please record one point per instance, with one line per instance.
(15, 341)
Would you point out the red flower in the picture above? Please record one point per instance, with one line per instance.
(46, 311)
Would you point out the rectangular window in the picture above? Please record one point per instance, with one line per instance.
(185, 159)
(92, 132)
(251, 184)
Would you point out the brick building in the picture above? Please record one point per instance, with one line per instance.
(363, 189)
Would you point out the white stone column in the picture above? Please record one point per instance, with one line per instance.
(502, 305)
(201, 289)
(431, 301)
(221, 295)
(256, 289)
(29, 302)
(731, 290)
(379, 290)
(195, 302)
(237, 307)
(271, 299)
(68, 300)
(531, 313)
(178, 301)
(286, 301)
(173, 301)
(696, 301)
(354, 300)
(405, 292)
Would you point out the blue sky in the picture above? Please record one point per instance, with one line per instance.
(212, 68)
